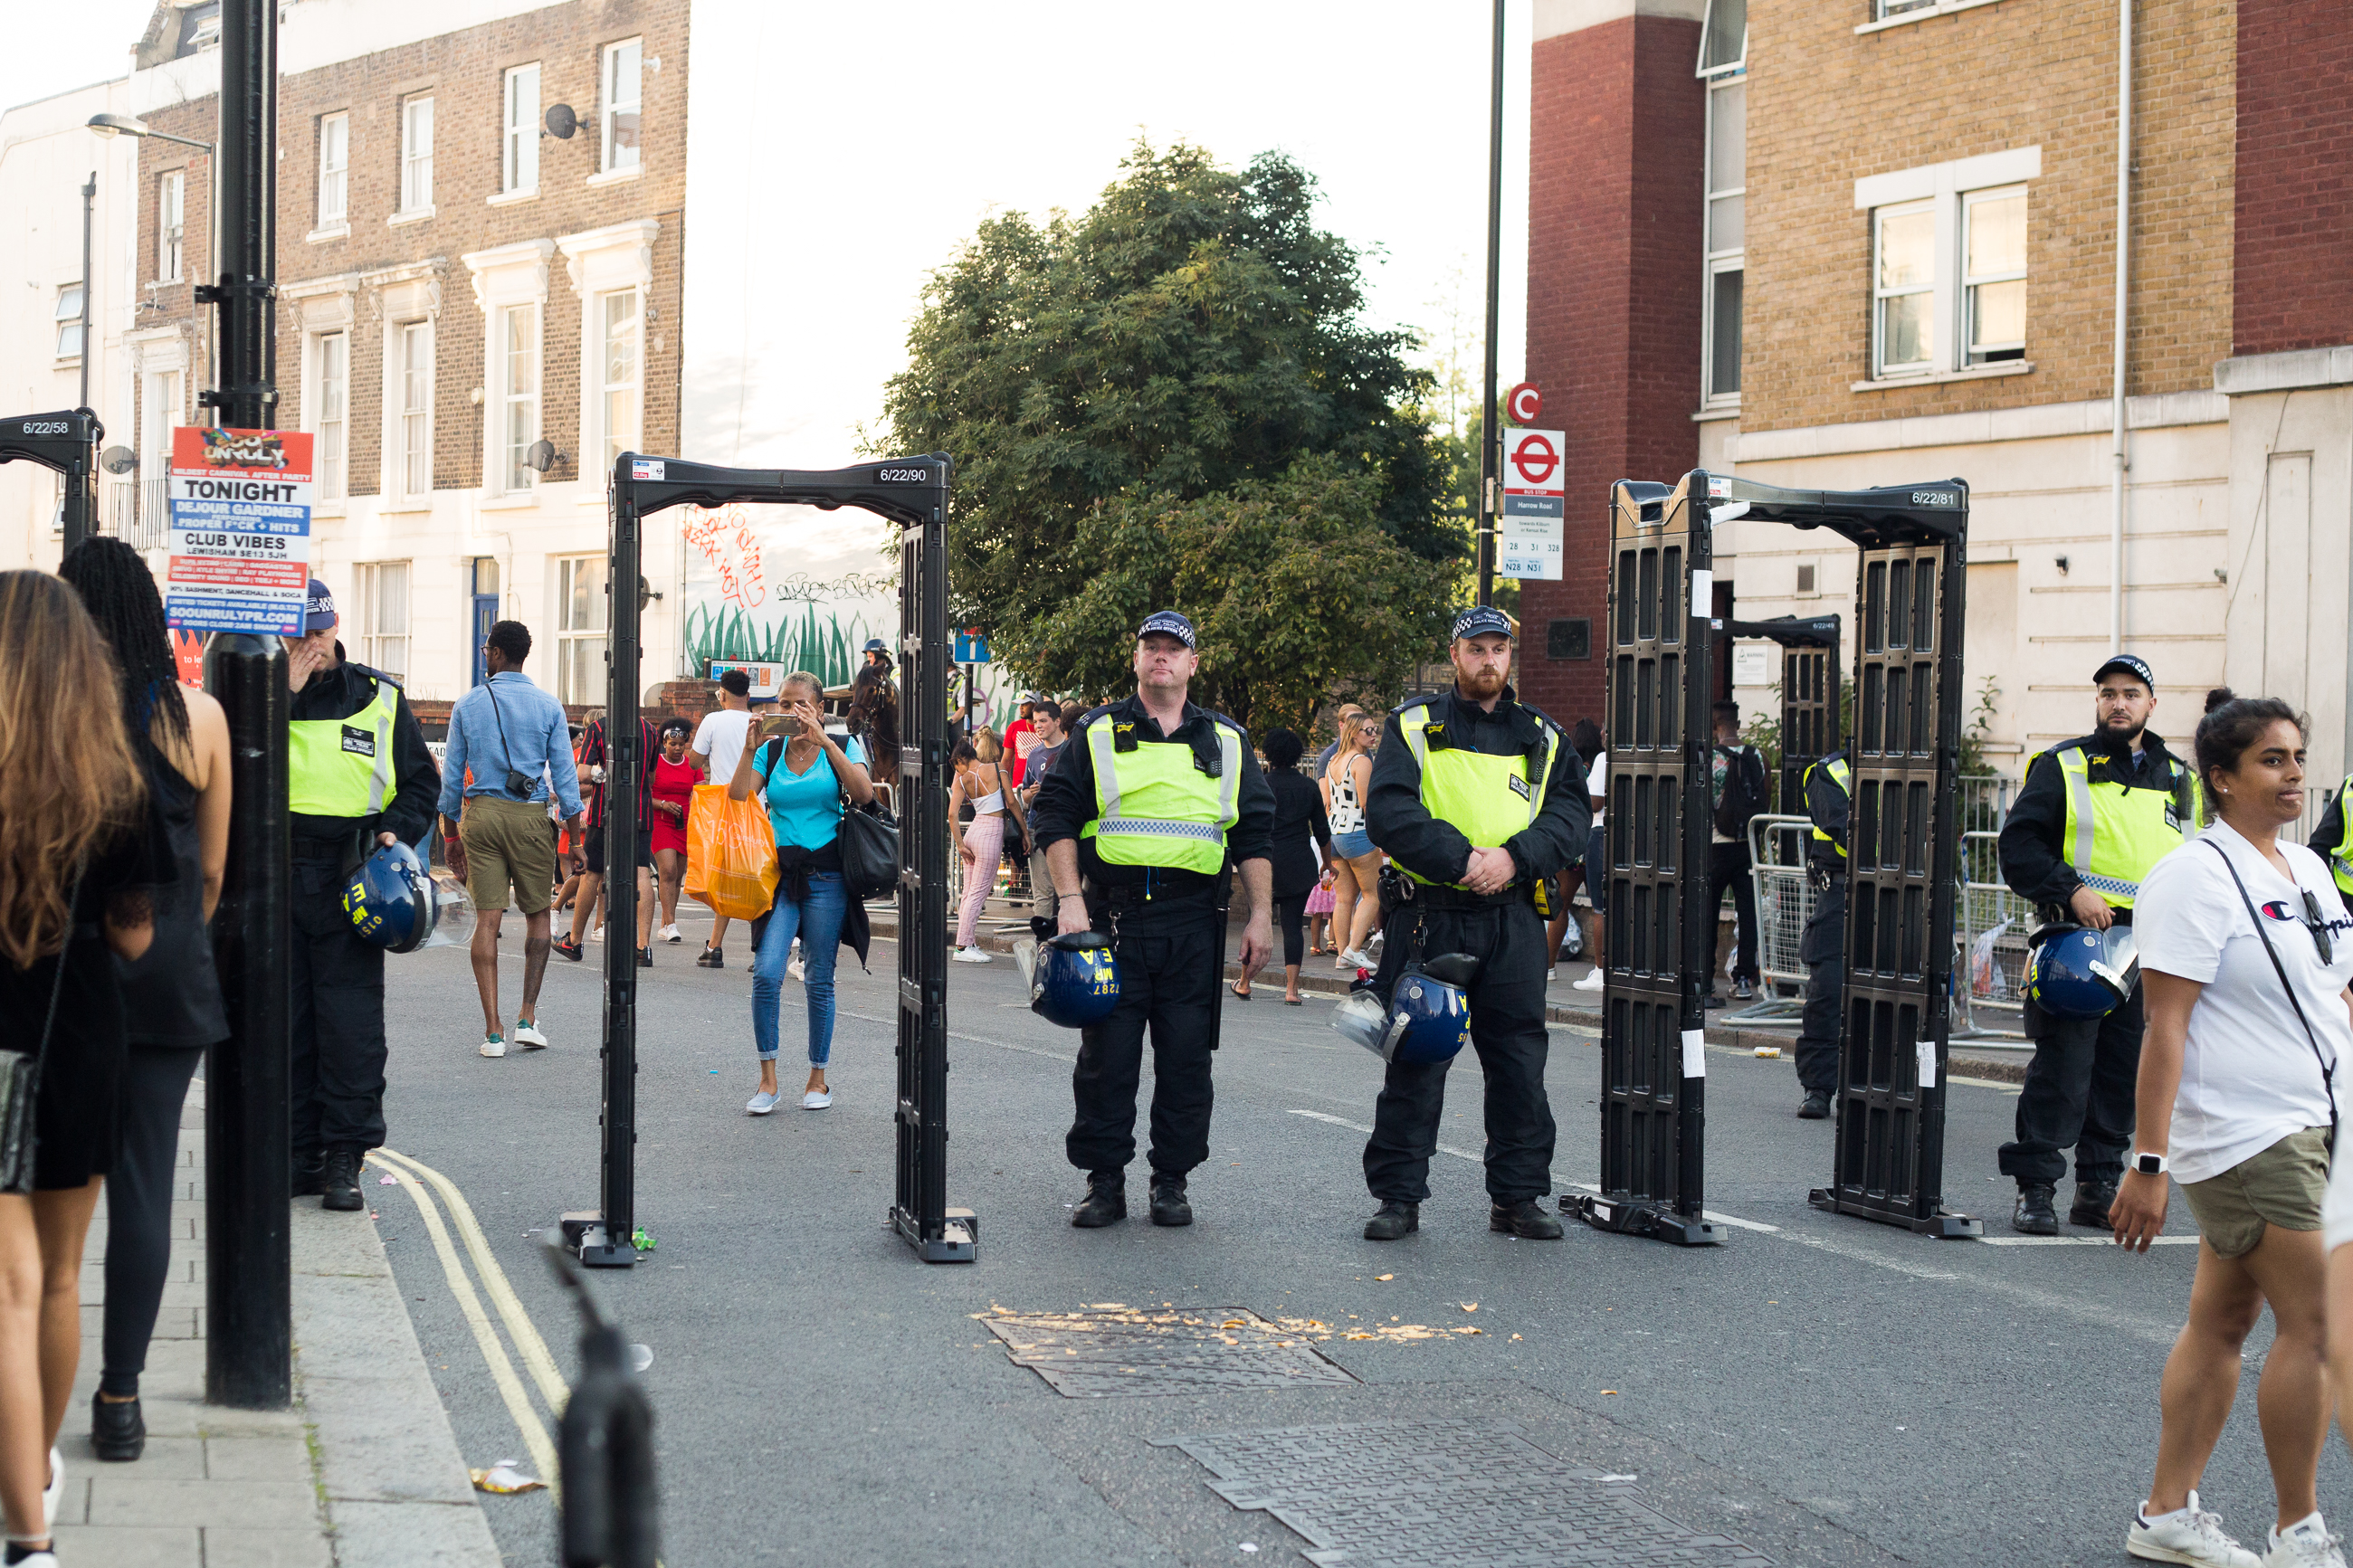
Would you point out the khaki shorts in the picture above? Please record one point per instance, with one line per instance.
(2283, 1185)
(507, 843)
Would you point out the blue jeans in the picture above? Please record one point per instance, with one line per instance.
(818, 923)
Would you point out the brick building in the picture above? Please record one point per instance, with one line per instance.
(1873, 241)
(475, 315)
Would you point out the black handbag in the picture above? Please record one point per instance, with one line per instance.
(20, 1077)
(869, 843)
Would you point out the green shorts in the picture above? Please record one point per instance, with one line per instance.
(2283, 1185)
(508, 844)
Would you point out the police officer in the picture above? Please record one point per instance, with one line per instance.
(360, 776)
(1827, 784)
(1478, 797)
(1152, 803)
(2332, 844)
(2093, 817)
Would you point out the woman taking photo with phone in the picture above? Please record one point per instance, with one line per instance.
(2246, 951)
(803, 774)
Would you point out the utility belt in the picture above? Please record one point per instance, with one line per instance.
(1439, 896)
(1822, 870)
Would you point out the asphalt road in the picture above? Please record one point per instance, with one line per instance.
(1828, 1391)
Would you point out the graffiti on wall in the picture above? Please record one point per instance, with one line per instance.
(784, 585)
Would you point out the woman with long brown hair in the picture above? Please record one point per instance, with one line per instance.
(1355, 862)
(79, 851)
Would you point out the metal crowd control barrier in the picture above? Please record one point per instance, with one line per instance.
(1661, 944)
(1785, 902)
(1992, 924)
(914, 494)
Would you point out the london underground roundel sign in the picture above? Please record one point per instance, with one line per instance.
(1523, 404)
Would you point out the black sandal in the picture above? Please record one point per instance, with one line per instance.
(1240, 988)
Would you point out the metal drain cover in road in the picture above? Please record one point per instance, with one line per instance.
(1112, 1352)
(1446, 1494)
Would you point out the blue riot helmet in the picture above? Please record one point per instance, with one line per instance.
(1427, 1019)
(2072, 972)
(1076, 981)
(391, 900)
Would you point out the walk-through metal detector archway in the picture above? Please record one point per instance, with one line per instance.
(67, 442)
(914, 494)
(1903, 836)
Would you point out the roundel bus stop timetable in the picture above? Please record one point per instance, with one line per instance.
(1528, 530)
(240, 531)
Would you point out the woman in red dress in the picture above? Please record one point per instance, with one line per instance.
(674, 782)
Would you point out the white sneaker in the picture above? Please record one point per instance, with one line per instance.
(970, 955)
(2306, 1543)
(669, 934)
(1593, 981)
(2187, 1535)
(1357, 960)
(794, 966)
(41, 1559)
(492, 1045)
(55, 1492)
(818, 1099)
(597, 935)
(527, 1035)
(762, 1103)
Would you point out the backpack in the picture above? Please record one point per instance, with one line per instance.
(1741, 797)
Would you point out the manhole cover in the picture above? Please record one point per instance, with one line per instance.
(1442, 1494)
(1103, 1353)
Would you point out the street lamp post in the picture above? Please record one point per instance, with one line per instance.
(1491, 423)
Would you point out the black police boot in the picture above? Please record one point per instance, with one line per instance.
(1396, 1219)
(1107, 1201)
(2034, 1215)
(309, 1177)
(2090, 1205)
(116, 1430)
(1525, 1219)
(1816, 1106)
(1168, 1204)
(338, 1186)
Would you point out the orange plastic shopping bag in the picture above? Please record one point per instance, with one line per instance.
(731, 854)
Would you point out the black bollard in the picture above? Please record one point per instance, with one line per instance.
(248, 1261)
(605, 1445)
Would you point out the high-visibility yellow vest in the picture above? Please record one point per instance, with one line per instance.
(1154, 807)
(344, 767)
(2114, 834)
(1840, 775)
(1485, 796)
(2340, 858)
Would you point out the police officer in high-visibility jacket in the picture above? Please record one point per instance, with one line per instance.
(1478, 798)
(1822, 947)
(1152, 804)
(2332, 844)
(360, 776)
(2093, 815)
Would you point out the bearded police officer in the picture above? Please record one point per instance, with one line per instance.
(1478, 798)
(360, 777)
(1152, 804)
(2334, 844)
(1827, 784)
(2093, 817)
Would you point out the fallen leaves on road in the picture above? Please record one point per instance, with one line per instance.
(1384, 1276)
(505, 1480)
(1282, 1331)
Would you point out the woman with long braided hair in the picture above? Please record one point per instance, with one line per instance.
(172, 998)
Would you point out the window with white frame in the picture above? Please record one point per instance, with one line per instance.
(519, 161)
(1948, 265)
(620, 381)
(1723, 65)
(1899, 7)
(517, 372)
(1993, 274)
(624, 89)
(413, 386)
(330, 418)
(416, 154)
(581, 604)
(68, 320)
(384, 615)
(334, 170)
(1903, 289)
(171, 226)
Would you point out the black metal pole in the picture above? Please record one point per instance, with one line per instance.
(248, 1264)
(88, 200)
(1491, 424)
(610, 1241)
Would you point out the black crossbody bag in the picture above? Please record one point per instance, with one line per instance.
(20, 1074)
(2327, 1071)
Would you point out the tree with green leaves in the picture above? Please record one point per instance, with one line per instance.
(1190, 337)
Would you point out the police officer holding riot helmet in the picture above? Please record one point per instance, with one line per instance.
(1151, 805)
(360, 778)
(1827, 783)
(2093, 818)
(1478, 798)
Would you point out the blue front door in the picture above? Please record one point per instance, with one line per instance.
(486, 612)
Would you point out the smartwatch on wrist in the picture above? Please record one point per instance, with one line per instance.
(2147, 1163)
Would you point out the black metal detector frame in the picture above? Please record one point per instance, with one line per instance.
(1810, 694)
(914, 494)
(67, 442)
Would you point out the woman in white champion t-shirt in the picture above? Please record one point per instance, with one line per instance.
(2246, 951)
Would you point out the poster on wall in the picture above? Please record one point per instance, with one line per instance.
(240, 531)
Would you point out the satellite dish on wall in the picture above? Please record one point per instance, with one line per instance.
(541, 455)
(561, 121)
(119, 460)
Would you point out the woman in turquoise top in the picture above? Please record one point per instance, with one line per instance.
(803, 788)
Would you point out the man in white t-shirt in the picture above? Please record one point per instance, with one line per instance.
(717, 746)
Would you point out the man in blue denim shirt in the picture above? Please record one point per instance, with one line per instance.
(508, 741)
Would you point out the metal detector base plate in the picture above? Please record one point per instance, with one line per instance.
(583, 1235)
(959, 1241)
(1944, 1224)
(1641, 1219)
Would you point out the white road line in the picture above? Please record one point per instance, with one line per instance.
(2189, 1240)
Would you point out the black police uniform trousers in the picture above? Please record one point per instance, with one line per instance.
(337, 1087)
(1821, 948)
(1168, 976)
(1508, 1030)
(2078, 1094)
